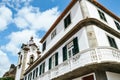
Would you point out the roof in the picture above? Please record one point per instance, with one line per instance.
(68, 8)
(59, 19)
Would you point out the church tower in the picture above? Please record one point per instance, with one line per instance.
(28, 54)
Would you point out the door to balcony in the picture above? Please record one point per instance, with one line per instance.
(90, 77)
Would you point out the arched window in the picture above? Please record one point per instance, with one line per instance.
(31, 59)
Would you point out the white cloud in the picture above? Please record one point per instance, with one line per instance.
(17, 38)
(30, 17)
(4, 63)
(5, 17)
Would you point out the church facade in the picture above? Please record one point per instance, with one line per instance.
(82, 44)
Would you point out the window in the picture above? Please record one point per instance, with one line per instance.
(53, 34)
(33, 74)
(31, 59)
(42, 68)
(67, 21)
(102, 16)
(25, 78)
(53, 61)
(30, 76)
(117, 25)
(36, 72)
(90, 77)
(44, 46)
(70, 49)
(112, 42)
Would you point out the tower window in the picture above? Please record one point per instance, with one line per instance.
(31, 59)
(112, 42)
(117, 25)
(67, 21)
(102, 15)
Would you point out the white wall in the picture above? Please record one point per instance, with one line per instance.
(82, 42)
(18, 71)
(113, 76)
(76, 16)
(93, 13)
(102, 39)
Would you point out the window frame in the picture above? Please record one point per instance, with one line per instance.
(113, 43)
(31, 59)
(67, 20)
(53, 61)
(42, 68)
(117, 25)
(74, 49)
(102, 15)
(54, 33)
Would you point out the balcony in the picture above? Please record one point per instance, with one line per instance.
(84, 58)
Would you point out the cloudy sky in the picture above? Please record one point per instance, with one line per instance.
(21, 19)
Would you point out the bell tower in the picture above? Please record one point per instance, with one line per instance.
(28, 54)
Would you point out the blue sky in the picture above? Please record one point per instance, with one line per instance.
(25, 18)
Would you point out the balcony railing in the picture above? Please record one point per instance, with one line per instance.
(90, 56)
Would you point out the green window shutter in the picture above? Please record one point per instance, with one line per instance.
(56, 59)
(67, 21)
(33, 74)
(76, 47)
(64, 53)
(50, 63)
(40, 69)
(112, 42)
(36, 72)
(43, 67)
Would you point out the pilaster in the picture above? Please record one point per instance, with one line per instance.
(92, 41)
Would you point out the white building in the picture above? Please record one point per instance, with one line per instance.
(82, 44)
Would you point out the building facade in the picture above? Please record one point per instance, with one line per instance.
(28, 54)
(82, 44)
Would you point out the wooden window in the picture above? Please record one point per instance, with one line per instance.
(67, 21)
(42, 68)
(53, 61)
(90, 77)
(44, 46)
(70, 49)
(112, 42)
(102, 15)
(117, 25)
(53, 34)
